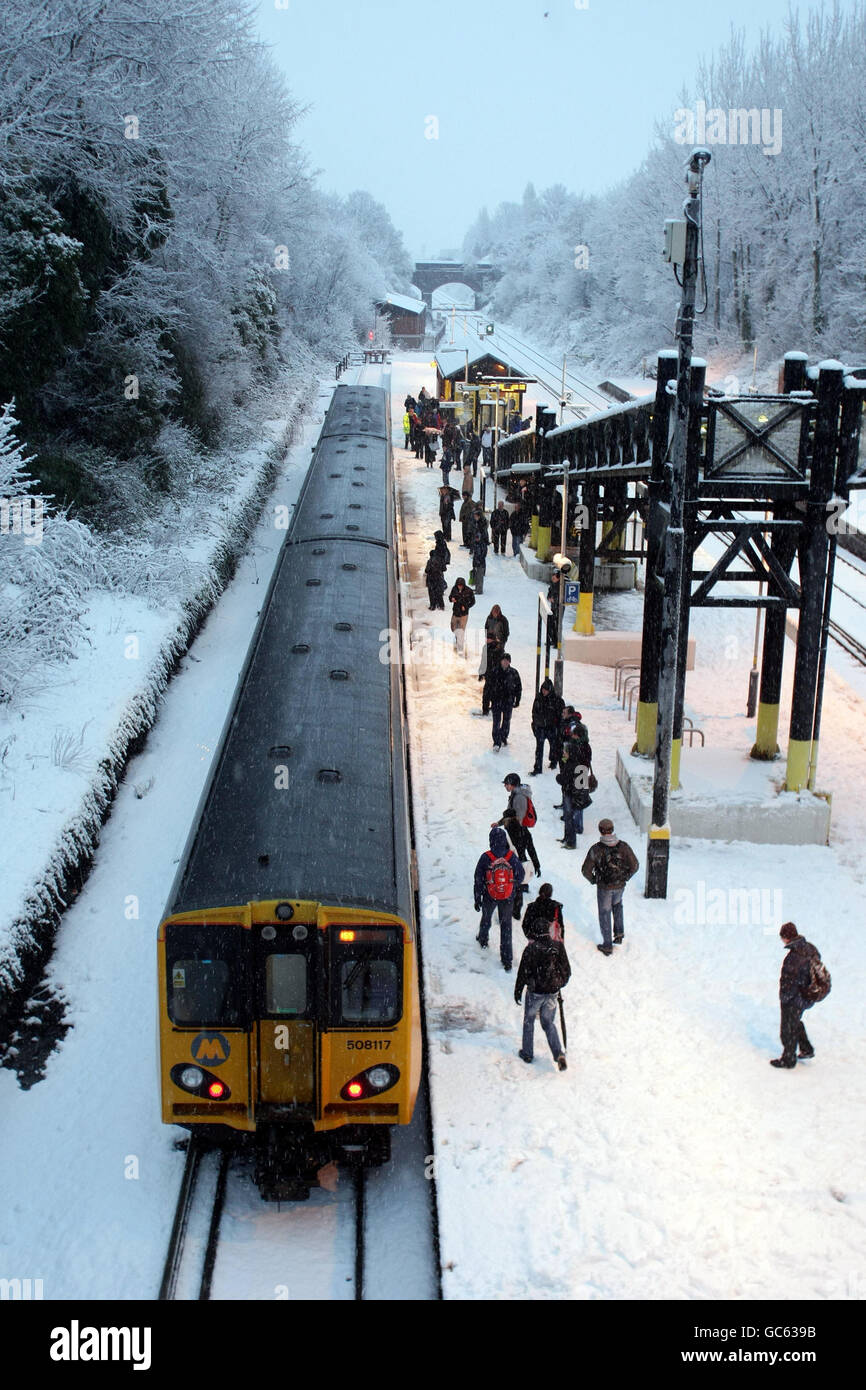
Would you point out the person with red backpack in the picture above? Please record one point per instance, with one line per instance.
(609, 865)
(804, 981)
(544, 913)
(498, 878)
(519, 819)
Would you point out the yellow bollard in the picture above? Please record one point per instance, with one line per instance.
(647, 721)
(797, 772)
(583, 617)
(543, 543)
(767, 741)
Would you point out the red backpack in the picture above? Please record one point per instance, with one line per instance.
(530, 818)
(499, 878)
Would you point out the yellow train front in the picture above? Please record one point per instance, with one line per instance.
(288, 965)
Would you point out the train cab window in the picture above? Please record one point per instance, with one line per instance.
(366, 975)
(286, 984)
(199, 991)
(204, 976)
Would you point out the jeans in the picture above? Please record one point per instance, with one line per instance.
(506, 908)
(540, 739)
(793, 1033)
(479, 572)
(573, 818)
(501, 724)
(541, 1006)
(609, 898)
(515, 543)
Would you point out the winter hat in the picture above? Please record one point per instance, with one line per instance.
(788, 932)
(499, 842)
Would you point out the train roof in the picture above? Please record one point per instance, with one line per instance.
(357, 410)
(317, 701)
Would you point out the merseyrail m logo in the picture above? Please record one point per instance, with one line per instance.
(212, 1048)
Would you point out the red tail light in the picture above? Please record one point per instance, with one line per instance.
(215, 1090)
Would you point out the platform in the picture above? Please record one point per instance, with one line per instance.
(607, 648)
(618, 576)
(726, 795)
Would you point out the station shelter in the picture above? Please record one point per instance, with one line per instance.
(479, 382)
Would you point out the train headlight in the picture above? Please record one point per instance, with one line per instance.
(379, 1077)
(371, 1082)
(192, 1078)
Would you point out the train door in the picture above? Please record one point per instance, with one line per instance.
(288, 972)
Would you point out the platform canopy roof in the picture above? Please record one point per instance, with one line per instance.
(405, 302)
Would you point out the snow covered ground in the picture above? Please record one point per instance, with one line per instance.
(669, 1161)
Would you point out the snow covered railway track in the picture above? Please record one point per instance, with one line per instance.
(192, 1221)
(848, 642)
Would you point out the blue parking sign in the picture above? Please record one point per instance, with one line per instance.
(572, 591)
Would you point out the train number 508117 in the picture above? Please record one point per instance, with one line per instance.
(368, 1045)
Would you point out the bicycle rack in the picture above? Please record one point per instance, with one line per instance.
(690, 730)
(626, 663)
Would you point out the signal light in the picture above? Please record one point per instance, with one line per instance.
(347, 936)
(215, 1090)
(355, 1089)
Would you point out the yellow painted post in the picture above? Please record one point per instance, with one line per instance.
(767, 741)
(647, 719)
(583, 616)
(543, 543)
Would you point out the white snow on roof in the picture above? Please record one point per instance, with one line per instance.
(403, 301)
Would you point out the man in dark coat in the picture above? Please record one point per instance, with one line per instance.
(544, 970)
(478, 551)
(485, 901)
(473, 450)
(574, 780)
(554, 592)
(442, 548)
(499, 520)
(793, 983)
(519, 528)
(546, 715)
(434, 578)
(505, 692)
(447, 498)
(466, 519)
(544, 914)
(496, 630)
(609, 865)
(461, 599)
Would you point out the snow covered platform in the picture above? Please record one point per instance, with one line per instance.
(726, 796)
(607, 648)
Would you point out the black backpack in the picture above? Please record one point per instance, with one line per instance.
(613, 868)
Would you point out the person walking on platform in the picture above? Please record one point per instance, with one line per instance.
(466, 523)
(498, 880)
(430, 439)
(574, 780)
(506, 690)
(804, 981)
(518, 818)
(546, 715)
(519, 528)
(499, 520)
(487, 446)
(478, 550)
(442, 548)
(545, 912)
(447, 498)
(609, 865)
(473, 450)
(434, 578)
(543, 972)
(407, 429)
(496, 632)
(417, 434)
(461, 599)
(447, 465)
(468, 480)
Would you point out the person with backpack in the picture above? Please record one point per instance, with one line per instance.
(499, 520)
(546, 714)
(544, 970)
(519, 819)
(498, 879)
(544, 912)
(804, 981)
(574, 780)
(442, 548)
(609, 865)
(506, 690)
(461, 599)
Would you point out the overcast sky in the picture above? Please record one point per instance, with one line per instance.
(521, 89)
